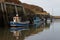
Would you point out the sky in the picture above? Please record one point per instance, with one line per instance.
(51, 6)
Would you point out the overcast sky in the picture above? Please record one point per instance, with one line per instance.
(51, 6)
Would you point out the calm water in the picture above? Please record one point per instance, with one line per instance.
(45, 31)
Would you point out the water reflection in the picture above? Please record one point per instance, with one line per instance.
(20, 33)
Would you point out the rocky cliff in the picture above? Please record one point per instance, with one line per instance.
(32, 8)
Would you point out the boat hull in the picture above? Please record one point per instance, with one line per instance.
(19, 24)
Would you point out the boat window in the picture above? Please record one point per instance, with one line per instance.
(10, 11)
(20, 10)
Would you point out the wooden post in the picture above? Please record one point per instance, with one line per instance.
(6, 16)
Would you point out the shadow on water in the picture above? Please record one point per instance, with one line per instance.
(20, 33)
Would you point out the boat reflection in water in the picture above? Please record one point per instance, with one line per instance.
(17, 31)
(21, 33)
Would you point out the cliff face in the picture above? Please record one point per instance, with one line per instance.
(33, 8)
(14, 1)
(11, 1)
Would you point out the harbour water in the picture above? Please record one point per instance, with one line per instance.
(44, 31)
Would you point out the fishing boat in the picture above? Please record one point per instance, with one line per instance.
(37, 20)
(17, 22)
(48, 20)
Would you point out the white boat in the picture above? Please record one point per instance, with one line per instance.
(48, 20)
(17, 22)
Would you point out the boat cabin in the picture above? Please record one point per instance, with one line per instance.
(16, 18)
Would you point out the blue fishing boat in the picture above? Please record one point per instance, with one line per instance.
(16, 22)
(37, 20)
